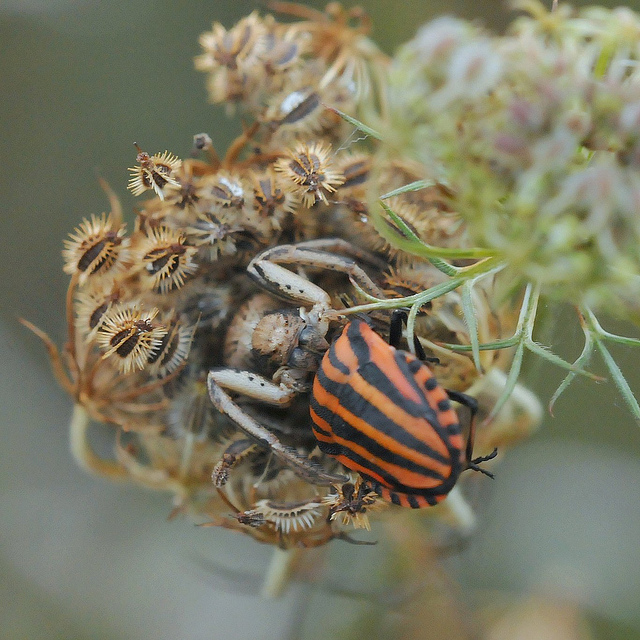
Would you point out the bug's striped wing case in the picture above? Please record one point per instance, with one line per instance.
(380, 411)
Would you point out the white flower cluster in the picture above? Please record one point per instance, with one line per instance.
(537, 133)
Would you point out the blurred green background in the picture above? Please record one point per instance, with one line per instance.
(81, 558)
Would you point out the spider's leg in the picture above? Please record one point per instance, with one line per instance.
(300, 465)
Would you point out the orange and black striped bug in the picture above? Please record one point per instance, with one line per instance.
(381, 412)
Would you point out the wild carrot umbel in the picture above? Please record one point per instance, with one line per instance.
(490, 173)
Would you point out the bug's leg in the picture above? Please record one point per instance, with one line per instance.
(421, 355)
(298, 464)
(465, 400)
(472, 405)
(473, 464)
(395, 329)
(398, 317)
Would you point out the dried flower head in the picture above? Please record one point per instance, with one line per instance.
(270, 200)
(185, 195)
(427, 221)
(286, 517)
(212, 232)
(166, 259)
(173, 350)
(230, 56)
(152, 346)
(91, 307)
(130, 335)
(229, 49)
(356, 168)
(338, 37)
(153, 172)
(282, 49)
(227, 190)
(96, 248)
(309, 172)
(352, 502)
(299, 109)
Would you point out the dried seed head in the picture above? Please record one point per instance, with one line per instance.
(299, 111)
(212, 232)
(339, 38)
(356, 169)
(186, 194)
(131, 335)
(91, 307)
(230, 49)
(270, 200)
(167, 259)
(288, 517)
(227, 190)
(152, 376)
(173, 350)
(352, 502)
(153, 172)
(282, 50)
(95, 248)
(299, 108)
(309, 172)
(231, 58)
(406, 281)
(428, 220)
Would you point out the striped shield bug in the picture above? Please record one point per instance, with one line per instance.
(381, 412)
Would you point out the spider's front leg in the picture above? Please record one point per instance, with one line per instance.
(266, 268)
(260, 388)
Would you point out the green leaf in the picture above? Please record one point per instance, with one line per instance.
(357, 124)
(545, 353)
(510, 383)
(404, 238)
(583, 359)
(469, 314)
(412, 186)
(592, 327)
(619, 380)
